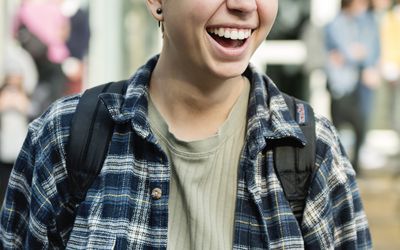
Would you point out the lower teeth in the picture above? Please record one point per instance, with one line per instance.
(227, 42)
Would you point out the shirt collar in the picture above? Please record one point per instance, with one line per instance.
(269, 118)
(268, 114)
(132, 107)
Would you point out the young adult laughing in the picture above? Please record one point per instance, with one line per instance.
(189, 164)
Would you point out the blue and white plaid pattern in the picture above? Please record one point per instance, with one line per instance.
(119, 211)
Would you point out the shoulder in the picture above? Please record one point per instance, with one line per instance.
(332, 28)
(44, 150)
(56, 118)
(44, 147)
(337, 20)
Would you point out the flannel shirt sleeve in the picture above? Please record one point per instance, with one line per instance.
(334, 217)
(27, 217)
(20, 219)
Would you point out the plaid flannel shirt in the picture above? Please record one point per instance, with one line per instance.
(119, 211)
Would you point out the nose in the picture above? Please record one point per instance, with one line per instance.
(242, 5)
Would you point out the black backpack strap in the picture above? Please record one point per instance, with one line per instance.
(90, 133)
(294, 164)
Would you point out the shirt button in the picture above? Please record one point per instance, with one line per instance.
(156, 193)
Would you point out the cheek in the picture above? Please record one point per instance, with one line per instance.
(181, 20)
(267, 10)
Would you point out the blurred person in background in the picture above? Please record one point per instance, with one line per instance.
(390, 63)
(43, 30)
(77, 43)
(353, 47)
(17, 84)
(190, 162)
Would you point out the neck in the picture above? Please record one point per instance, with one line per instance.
(193, 105)
(355, 11)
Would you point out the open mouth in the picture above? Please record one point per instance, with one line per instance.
(228, 37)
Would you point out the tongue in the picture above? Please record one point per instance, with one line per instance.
(228, 43)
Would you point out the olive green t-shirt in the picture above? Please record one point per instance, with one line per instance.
(203, 183)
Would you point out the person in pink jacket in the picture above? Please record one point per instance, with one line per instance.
(43, 30)
(45, 20)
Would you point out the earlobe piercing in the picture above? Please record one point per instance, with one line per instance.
(160, 23)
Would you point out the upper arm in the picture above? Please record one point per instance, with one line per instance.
(15, 213)
(38, 189)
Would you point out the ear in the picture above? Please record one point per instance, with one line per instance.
(153, 5)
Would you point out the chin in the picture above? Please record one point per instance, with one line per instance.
(229, 70)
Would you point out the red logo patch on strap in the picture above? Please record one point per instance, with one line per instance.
(301, 114)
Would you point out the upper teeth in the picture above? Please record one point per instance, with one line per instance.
(234, 34)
